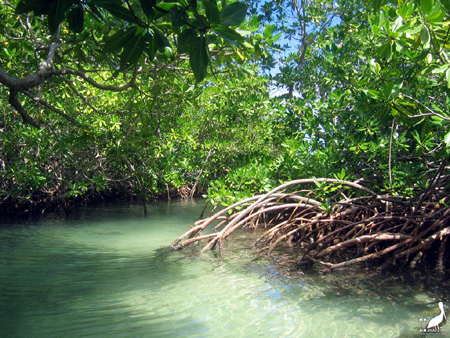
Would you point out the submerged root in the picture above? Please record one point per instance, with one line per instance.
(369, 227)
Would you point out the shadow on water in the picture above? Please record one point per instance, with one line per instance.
(90, 294)
(80, 278)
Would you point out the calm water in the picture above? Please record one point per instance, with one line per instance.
(107, 272)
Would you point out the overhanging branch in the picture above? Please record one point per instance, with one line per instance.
(17, 85)
(38, 78)
(49, 106)
(14, 101)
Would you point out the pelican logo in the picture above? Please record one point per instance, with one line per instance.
(434, 324)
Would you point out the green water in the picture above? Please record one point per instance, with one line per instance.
(107, 272)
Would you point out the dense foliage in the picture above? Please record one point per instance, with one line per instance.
(366, 95)
(105, 96)
(159, 98)
(362, 173)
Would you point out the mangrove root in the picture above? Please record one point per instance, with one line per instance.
(385, 228)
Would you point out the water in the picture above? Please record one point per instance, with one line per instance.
(107, 272)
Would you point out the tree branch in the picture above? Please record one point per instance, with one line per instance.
(41, 76)
(81, 96)
(48, 63)
(430, 111)
(49, 106)
(17, 85)
(14, 101)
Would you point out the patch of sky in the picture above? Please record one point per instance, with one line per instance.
(286, 18)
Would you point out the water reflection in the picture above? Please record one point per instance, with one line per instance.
(108, 272)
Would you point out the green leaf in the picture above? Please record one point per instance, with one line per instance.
(387, 89)
(147, 6)
(229, 35)
(441, 69)
(426, 5)
(385, 51)
(254, 23)
(187, 41)
(166, 6)
(268, 30)
(375, 66)
(245, 71)
(211, 11)
(151, 49)
(160, 39)
(447, 76)
(96, 13)
(406, 9)
(447, 139)
(37, 6)
(425, 37)
(56, 14)
(179, 16)
(396, 90)
(119, 40)
(446, 4)
(374, 27)
(233, 14)
(201, 22)
(436, 16)
(397, 24)
(115, 8)
(75, 18)
(374, 94)
(377, 4)
(199, 59)
(132, 51)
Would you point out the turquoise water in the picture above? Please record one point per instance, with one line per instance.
(107, 272)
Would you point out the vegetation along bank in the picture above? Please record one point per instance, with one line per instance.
(325, 123)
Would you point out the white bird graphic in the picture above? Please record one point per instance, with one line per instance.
(436, 321)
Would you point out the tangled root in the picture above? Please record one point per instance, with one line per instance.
(388, 229)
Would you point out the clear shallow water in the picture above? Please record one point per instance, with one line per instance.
(107, 272)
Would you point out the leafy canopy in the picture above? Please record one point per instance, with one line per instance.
(138, 28)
